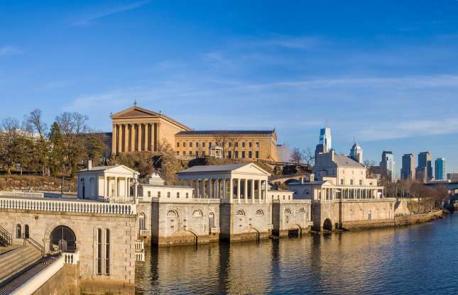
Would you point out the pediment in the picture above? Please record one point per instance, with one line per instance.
(251, 169)
(135, 112)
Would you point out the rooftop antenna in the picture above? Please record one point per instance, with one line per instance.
(135, 103)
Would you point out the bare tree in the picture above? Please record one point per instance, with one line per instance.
(36, 123)
(297, 156)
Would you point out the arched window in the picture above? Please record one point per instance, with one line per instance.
(18, 231)
(172, 213)
(26, 231)
(241, 213)
(197, 213)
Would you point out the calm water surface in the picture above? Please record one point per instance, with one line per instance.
(420, 259)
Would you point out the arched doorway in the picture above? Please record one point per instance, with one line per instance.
(327, 225)
(63, 238)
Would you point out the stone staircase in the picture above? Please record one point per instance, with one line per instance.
(17, 260)
(5, 238)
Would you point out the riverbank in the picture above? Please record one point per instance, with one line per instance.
(402, 220)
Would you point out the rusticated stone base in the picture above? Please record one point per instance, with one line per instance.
(187, 239)
(94, 287)
(64, 282)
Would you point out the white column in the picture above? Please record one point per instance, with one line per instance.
(224, 196)
(246, 190)
(260, 191)
(252, 191)
(147, 130)
(231, 191)
(238, 190)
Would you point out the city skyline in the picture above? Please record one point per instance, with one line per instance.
(296, 70)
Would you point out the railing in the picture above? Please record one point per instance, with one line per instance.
(139, 251)
(139, 246)
(36, 245)
(5, 236)
(67, 206)
(71, 258)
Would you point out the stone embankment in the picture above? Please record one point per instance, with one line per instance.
(418, 218)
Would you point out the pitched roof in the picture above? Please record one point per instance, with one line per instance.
(344, 161)
(136, 111)
(222, 168)
(226, 132)
(213, 168)
(104, 168)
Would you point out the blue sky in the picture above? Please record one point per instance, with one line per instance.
(383, 72)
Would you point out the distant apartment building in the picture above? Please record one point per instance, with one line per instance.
(439, 167)
(408, 167)
(356, 153)
(387, 166)
(424, 171)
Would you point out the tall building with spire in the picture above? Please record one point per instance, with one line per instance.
(356, 153)
(326, 139)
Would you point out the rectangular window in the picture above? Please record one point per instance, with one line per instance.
(178, 144)
(250, 154)
(190, 144)
(351, 181)
(236, 144)
(107, 252)
(257, 154)
(236, 155)
(197, 144)
(229, 154)
(360, 182)
(159, 194)
(178, 195)
(99, 251)
(203, 144)
(257, 144)
(243, 155)
(243, 144)
(149, 194)
(168, 194)
(250, 144)
(341, 182)
(184, 144)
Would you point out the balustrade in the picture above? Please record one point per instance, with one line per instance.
(67, 206)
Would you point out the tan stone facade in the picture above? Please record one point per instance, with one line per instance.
(245, 145)
(139, 130)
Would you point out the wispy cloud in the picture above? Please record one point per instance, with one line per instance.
(92, 17)
(406, 129)
(9, 50)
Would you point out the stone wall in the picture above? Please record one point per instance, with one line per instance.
(291, 216)
(123, 232)
(176, 223)
(352, 213)
(418, 218)
(55, 285)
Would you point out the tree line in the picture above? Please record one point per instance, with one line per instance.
(31, 146)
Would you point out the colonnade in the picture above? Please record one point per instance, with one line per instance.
(350, 193)
(113, 187)
(242, 190)
(135, 137)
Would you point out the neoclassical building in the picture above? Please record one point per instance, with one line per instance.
(136, 129)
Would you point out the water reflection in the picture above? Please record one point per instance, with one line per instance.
(418, 259)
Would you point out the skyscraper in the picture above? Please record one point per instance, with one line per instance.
(387, 165)
(408, 167)
(356, 153)
(326, 139)
(425, 167)
(439, 166)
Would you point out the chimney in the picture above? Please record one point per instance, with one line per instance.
(89, 165)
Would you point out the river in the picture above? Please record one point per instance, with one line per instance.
(419, 259)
